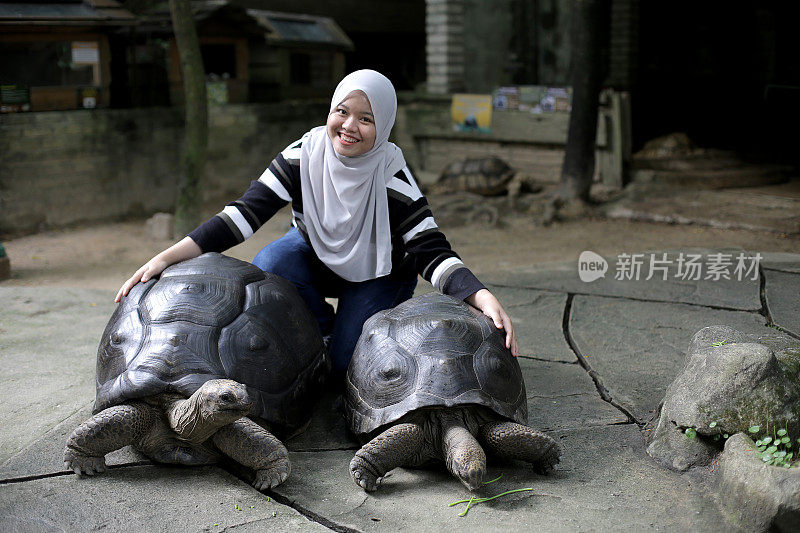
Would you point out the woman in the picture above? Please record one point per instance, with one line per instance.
(362, 230)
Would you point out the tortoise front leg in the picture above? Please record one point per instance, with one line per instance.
(509, 440)
(394, 447)
(464, 457)
(249, 444)
(108, 430)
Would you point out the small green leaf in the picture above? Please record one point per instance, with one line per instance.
(767, 440)
(712, 425)
(786, 440)
(754, 429)
(781, 432)
(787, 465)
(766, 456)
(725, 436)
(717, 437)
(789, 455)
(691, 433)
(762, 448)
(759, 442)
(772, 449)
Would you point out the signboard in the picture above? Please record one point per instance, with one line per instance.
(217, 92)
(14, 98)
(85, 53)
(88, 97)
(472, 112)
(533, 98)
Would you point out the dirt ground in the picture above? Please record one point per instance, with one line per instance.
(103, 256)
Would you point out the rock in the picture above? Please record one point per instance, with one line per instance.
(730, 382)
(757, 496)
(161, 226)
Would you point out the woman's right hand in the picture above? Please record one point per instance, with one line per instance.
(180, 251)
(152, 268)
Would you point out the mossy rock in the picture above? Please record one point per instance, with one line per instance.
(731, 381)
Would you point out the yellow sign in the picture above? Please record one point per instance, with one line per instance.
(472, 112)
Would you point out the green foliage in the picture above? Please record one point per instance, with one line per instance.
(474, 500)
(776, 449)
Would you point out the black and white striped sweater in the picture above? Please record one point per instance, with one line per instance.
(418, 247)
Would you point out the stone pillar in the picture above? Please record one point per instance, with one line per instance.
(444, 26)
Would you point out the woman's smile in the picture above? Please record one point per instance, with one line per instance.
(351, 125)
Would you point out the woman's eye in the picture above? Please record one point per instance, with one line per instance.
(367, 120)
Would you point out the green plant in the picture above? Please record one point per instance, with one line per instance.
(473, 500)
(775, 449)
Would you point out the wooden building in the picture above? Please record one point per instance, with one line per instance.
(253, 55)
(55, 55)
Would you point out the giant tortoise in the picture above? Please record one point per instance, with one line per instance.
(186, 357)
(431, 379)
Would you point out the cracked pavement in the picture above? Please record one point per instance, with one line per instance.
(596, 357)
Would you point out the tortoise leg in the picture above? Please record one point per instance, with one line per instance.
(464, 457)
(249, 444)
(510, 440)
(394, 447)
(108, 430)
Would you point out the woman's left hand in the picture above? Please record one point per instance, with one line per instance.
(490, 306)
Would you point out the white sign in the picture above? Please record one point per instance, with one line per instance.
(85, 52)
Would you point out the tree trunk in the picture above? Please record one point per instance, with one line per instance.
(189, 202)
(589, 21)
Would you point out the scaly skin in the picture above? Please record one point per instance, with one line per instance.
(249, 444)
(395, 447)
(464, 457)
(509, 440)
(108, 430)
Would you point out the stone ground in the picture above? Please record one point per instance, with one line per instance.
(597, 358)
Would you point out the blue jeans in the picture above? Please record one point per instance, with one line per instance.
(291, 257)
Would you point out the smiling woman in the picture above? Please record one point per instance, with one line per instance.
(351, 126)
(362, 229)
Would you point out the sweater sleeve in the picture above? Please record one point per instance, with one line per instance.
(242, 218)
(428, 248)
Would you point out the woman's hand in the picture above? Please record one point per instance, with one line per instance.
(490, 306)
(152, 268)
(180, 251)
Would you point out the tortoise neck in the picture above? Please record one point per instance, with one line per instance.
(187, 420)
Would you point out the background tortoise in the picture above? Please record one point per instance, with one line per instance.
(231, 338)
(437, 374)
(486, 176)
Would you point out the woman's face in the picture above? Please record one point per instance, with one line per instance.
(351, 125)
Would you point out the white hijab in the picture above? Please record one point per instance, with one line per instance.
(344, 198)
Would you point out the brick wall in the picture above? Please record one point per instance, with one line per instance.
(63, 168)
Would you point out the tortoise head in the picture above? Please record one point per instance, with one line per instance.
(221, 401)
(216, 403)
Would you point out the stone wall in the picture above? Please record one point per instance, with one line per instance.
(69, 167)
(63, 168)
(533, 144)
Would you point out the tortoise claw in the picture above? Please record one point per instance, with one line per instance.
(363, 474)
(85, 465)
(268, 478)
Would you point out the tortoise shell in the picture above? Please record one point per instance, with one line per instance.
(430, 351)
(486, 176)
(208, 318)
